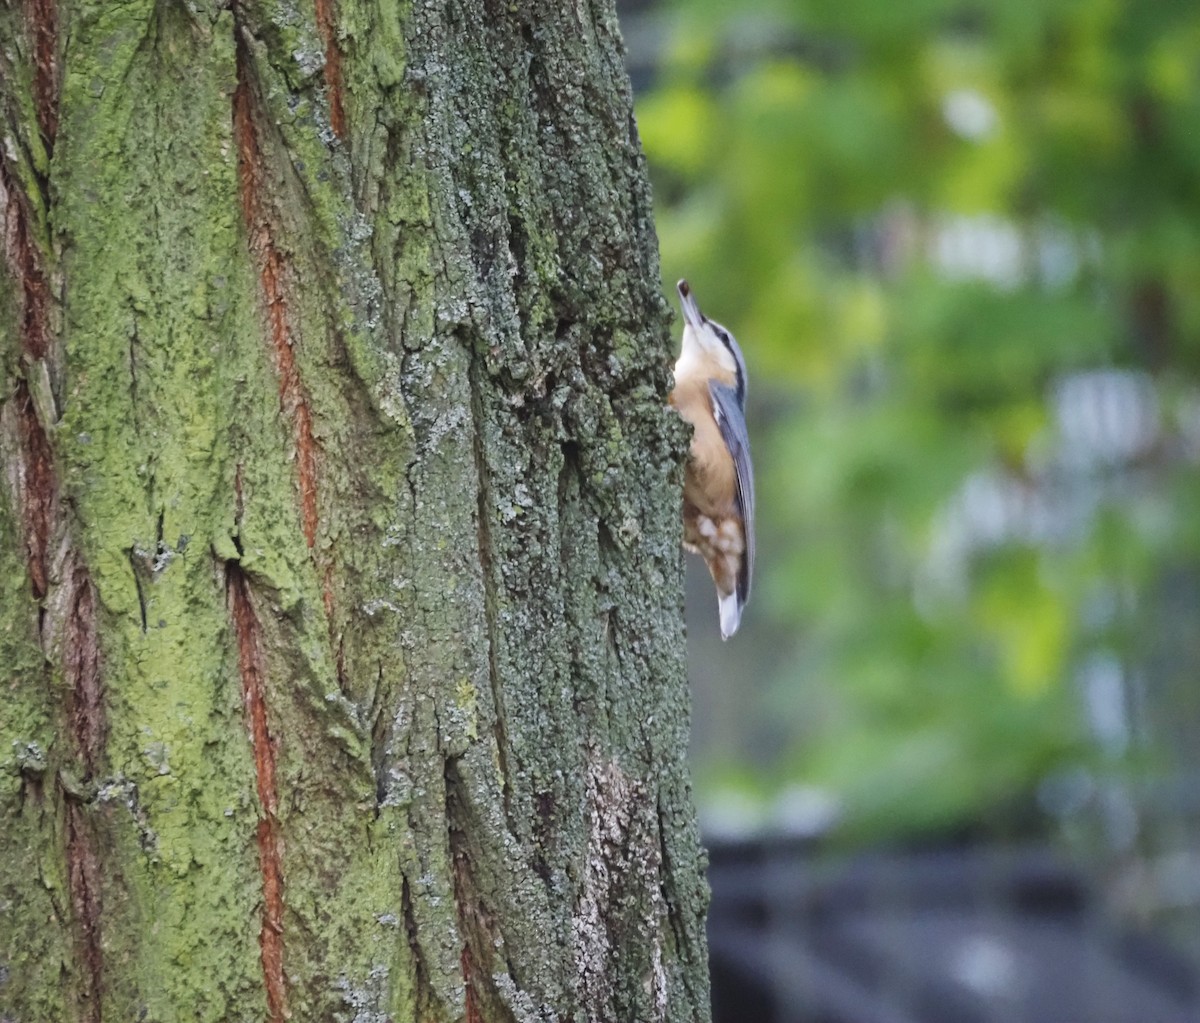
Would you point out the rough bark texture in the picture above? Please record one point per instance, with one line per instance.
(340, 592)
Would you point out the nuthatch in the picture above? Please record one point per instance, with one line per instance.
(718, 486)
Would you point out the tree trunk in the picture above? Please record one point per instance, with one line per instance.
(341, 598)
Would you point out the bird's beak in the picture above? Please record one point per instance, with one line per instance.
(691, 311)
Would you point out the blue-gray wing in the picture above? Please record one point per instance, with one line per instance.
(732, 421)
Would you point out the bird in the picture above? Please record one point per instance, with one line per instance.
(718, 485)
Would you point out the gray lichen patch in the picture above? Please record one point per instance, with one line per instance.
(619, 906)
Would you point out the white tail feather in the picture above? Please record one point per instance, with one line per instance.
(731, 614)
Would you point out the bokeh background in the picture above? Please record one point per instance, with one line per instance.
(959, 244)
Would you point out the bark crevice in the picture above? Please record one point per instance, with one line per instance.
(37, 490)
(83, 883)
(274, 275)
(41, 19)
(326, 12)
(476, 926)
(252, 668)
(490, 591)
(80, 644)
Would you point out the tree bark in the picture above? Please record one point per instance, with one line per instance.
(340, 577)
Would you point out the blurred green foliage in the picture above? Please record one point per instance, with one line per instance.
(960, 246)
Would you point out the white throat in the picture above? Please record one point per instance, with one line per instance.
(700, 347)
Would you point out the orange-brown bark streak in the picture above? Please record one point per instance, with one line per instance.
(78, 637)
(327, 26)
(83, 881)
(471, 923)
(273, 273)
(39, 489)
(270, 854)
(41, 21)
(81, 663)
(25, 262)
(89, 729)
(471, 1013)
